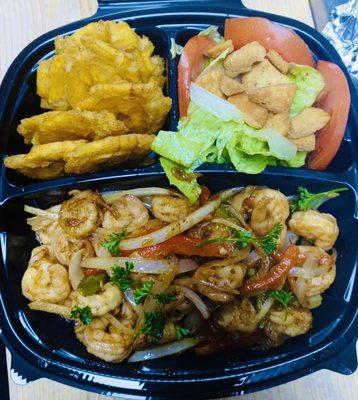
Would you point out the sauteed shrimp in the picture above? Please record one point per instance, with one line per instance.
(148, 268)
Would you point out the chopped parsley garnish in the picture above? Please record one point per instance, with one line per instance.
(83, 314)
(113, 241)
(283, 297)
(164, 298)
(153, 326)
(121, 276)
(306, 200)
(242, 239)
(181, 332)
(142, 292)
(269, 241)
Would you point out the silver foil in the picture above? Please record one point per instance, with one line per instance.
(342, 32)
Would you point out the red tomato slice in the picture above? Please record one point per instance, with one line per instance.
(335, 99)
(180, 244)
(190, 66)
(270, 35)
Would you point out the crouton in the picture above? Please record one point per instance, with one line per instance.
(216, 50)
(253, 114)
(308, 121)
(262, 75)
(243, 59)
(210, 80)
(279, 122)
(277, 98)
(307, 143)
(282, 65)
(230, 86)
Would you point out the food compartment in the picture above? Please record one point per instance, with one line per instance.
(51, 338)
(344, 157)
(23, 102)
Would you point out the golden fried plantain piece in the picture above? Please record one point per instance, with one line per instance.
(106, 54)
(54, 126)
(42, 155)
(141, 106)
(53, 171)
(108, 152)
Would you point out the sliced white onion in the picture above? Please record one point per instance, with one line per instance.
(252, 258)
(187, 265)
(39, 211)
(193, 321)
(214, 105)
(114, 321)
(265, 308)
(129, 296)
(196, 300)
(50, 308)
(141, 265)
(112, 197)
(163, 351)
(291, 238)
(180, 226)
(75, 273)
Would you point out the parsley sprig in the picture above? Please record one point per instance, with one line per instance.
(82, 314)
(142, 292)
(282, 296)
(164, 298)
(153, 326)
(113, 241)
(181, 332)
(242, 239)
(306, 200)
(121, 276)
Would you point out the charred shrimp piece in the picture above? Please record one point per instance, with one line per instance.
(219, 280)
(170, 208)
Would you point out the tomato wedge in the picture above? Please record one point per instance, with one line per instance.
(275, 277)
(335, 99)
(270, 35)
(180, 244)
(190, 66)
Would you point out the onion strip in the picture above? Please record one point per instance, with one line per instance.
(163, 351)
(196, 300)
(180, 226)
(40, 212)
(75, 273)
(141, 265)
(187, 265)
(112, 197)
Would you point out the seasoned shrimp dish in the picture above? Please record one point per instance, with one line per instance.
(144, 273)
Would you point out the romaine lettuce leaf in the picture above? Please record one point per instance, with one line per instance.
(191, 189)
(309, 84)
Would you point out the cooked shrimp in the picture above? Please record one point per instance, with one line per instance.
(128, 212)
(268, 207)
(64, 246)
(106, 300)
(177, 309)
(170, 208)
(108, 338)
(239, 316)
(290, 322)
(220, 279)
(315, 276)
(320, 227)
(96, 241)
(43, 228)
(41, 252)
(169, 335)
(81, 215)
(238, 201)
(46, 280)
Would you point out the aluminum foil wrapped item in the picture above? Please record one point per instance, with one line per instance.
(342, 32)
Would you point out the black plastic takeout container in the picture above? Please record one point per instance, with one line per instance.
(43, 345)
